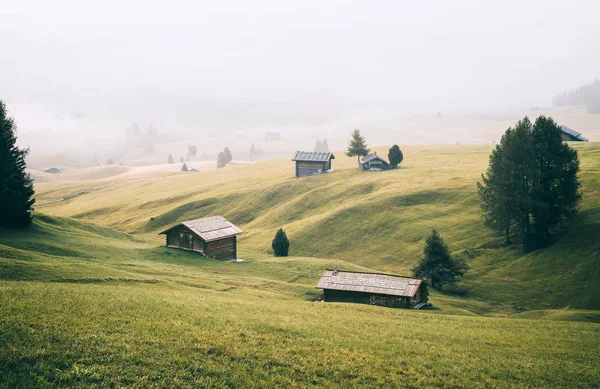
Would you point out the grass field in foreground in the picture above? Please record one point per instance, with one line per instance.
(85, 306)
(375, 220)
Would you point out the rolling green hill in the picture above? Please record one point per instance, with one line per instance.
(87, 306)
(376, 220)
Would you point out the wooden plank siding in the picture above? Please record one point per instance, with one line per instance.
(182, 238)
(307, 168)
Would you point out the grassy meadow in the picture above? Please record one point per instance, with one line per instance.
(89, 297)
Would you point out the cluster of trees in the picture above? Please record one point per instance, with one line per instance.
(224, 158)
(531, 182)
(16, 186)
(147, 141)
(321, 146)
(586, 95)
(357, 147)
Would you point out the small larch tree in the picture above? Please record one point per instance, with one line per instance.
(170, 159)
(228, 156)
(16, 186)
(280, 244)
(181, 160)
(252, 150)
(357, 146)
(110, 162)
(184, 167)
(221, 160)
(437, 265)
(395, 156)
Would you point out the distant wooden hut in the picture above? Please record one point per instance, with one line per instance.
(570, 135)
(374, 288)
(272, 136)
(374, 162)
(311, 163)
(213, 237)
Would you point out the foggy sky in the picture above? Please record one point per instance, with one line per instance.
(176, 62)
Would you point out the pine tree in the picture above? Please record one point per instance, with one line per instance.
(437, 265)
(170, 159)
(252, 150)
(395, 156)
(532, 176)
(325, 146)
(281, 244)
(16, 186)
(221, 160)
(184, 167)
(228, 156)
(357, 146)
(110, 162)
(181, 160)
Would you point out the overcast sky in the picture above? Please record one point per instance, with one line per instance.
(316, 59)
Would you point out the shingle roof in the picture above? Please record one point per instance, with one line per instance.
(210, 228)
(573, 133)
(306, 156)
(372, 157)
(369, 283)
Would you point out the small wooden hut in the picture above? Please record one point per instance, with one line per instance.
(374, 288)
(374, 162)
(570, 135)
(311, 163)
(213, 237)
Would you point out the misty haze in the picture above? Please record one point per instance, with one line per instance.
(299, 194)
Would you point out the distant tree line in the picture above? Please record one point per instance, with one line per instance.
(321, 146)
(531, 182)
(586, 95)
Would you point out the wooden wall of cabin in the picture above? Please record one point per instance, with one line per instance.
(366, 298)
(222, 249)
(304, 168)
(190, 240)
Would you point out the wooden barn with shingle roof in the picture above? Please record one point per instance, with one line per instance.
(311, 163)
(213, 237)
(374, 288)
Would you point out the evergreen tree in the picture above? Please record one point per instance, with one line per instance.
(325, 146)
(531, 177)
(110, 162)
(184, 167)
(192, 150)
(357, 146)
(228, 156)
(252, 150)
(16, 186)
(437, 265)
(555, 194)
(181, 159)
(281, 244)
(170, 159)
(395, 156)
(221, 160)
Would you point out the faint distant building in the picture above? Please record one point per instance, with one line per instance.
(52, 169)
(570, 135)
(272, 136)
(311, 163)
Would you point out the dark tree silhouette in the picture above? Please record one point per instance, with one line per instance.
(357, 146)
(437, 265)
(395, 156)
(170, 159)
(16, 186)
(221, 160)
(280, 244)
(184, 167)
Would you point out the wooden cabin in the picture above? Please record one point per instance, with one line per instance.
(570, 135)
(374, 162)
(213, 237)
(311, 163)
(374, 288)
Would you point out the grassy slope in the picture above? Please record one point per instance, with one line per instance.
(85, 306)
(377, 220)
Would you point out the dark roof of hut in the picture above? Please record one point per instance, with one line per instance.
(573, 133)
(372, 157)
(377, 283)
(210, 228)
(306, 156)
